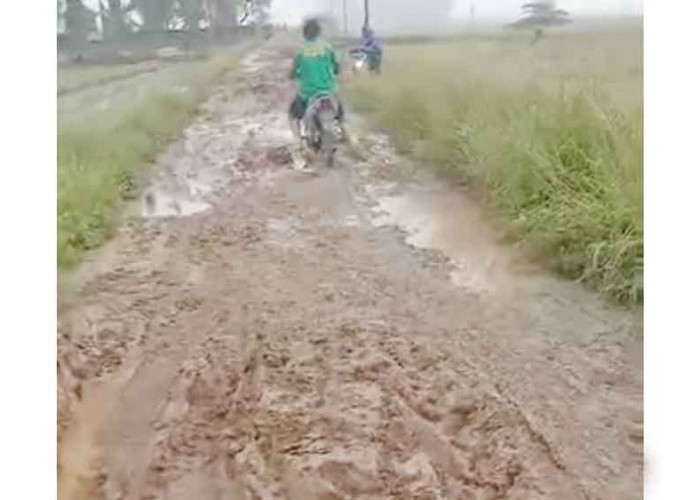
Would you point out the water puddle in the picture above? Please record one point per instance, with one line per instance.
(255, 62)
(181, 191)
(240, 145)
(440, 218)
(164, 204)
(283, 232)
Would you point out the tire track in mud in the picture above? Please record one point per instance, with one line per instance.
(290, 431)
(276, 344)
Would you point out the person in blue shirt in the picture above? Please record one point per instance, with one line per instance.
(373, 49)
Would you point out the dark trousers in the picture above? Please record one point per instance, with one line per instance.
(298, 108)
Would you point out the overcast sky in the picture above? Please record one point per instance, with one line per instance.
(292, 11)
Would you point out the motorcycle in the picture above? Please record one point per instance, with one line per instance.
(320, 127)
(361, 61)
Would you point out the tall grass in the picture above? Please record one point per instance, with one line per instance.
(557, 144)
(99, 160)
(72, 79)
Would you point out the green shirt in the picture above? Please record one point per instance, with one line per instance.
(316, 67)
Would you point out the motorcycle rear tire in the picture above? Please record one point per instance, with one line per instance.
(327, 124)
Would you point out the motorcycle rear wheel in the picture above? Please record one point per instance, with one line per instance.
(328, 139)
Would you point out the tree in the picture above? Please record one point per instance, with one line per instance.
(61, 19)
(255, 12)
(192, 11)
(247, 6)
(79, 20)
(155, 13)
(113, 16)
(261, 12)
(223, 15)
(541, 14)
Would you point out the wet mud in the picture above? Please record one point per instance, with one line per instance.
(255, 333)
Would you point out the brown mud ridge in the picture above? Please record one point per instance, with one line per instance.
(257, 333)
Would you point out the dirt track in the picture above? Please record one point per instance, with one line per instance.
(257, 333)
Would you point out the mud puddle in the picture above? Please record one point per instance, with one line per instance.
(238, 150)
(184, 185)
(257, 61)
(444, 219)
(164, 204)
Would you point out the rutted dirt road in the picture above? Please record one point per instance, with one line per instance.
(257, 333)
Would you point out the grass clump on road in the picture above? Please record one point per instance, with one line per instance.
(553, 132)
(99, 158)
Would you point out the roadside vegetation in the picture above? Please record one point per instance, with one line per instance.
(101, 154)
(77, 78)
(550, 132)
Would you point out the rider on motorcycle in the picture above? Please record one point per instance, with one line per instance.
(371, 47)
(316, 70)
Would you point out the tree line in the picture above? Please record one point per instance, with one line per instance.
(115, 19)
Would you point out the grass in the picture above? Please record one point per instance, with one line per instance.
(75, 78)
(99, 157)
(553, 132)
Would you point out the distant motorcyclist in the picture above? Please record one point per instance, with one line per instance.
(316, 71)
(373, 49)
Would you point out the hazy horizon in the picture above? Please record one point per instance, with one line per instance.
(292, 11)
(415, 12)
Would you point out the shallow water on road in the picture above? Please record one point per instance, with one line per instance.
(444, 219)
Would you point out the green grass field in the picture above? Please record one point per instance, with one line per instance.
(74, 78)
(552, 132)
(102, 149)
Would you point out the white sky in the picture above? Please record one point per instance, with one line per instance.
(510, 9)
(292, 11)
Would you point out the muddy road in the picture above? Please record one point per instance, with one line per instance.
(254, 332)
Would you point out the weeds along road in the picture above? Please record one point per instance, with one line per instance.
(256, 333)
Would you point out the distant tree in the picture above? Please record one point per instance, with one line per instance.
(247, 7)
(261, 11)
(79, 20)
(155, 13)
(255, 12)
(541, 14)
(61, 16)
(114, 18)
(192, 11)
(222, 14)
